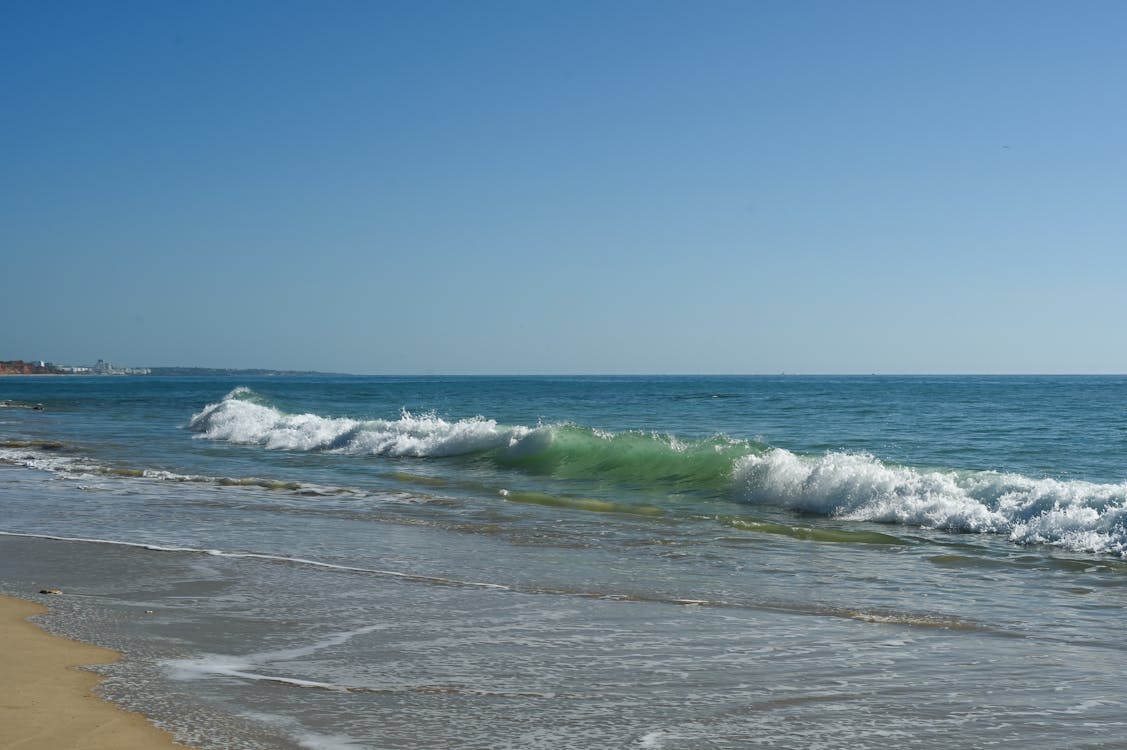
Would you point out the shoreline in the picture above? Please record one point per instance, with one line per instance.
(48, 703)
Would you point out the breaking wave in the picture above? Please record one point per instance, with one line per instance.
(243, 417)
(560, 450)
(1077, 515)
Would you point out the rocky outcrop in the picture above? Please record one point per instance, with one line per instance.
(19, 367)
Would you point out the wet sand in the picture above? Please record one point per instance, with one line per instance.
(47, 703)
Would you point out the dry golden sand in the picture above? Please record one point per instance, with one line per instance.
(46, 703)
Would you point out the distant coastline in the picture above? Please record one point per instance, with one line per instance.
(213, 371)
(21, 367)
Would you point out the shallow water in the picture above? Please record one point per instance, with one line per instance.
(584, 562)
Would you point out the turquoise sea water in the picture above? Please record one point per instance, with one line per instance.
(668, 562)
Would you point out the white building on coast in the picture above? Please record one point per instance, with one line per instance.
(102, 367)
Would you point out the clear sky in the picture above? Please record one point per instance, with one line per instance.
(566, 187)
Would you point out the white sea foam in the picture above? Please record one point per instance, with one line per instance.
(1077, 515)
(306, 737)
(239, 418)
(249, 667)
(196, 669)
(40, 460)
(76, 467)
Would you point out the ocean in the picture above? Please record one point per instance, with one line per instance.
(583, 562)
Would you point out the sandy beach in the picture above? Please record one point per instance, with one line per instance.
(47, 703)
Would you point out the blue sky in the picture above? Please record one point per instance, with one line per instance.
(566, 187)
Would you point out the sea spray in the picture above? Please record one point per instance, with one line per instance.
(241, 417)
(1076, 515)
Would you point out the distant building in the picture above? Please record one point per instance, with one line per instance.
(102, 367)
(20, 367)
